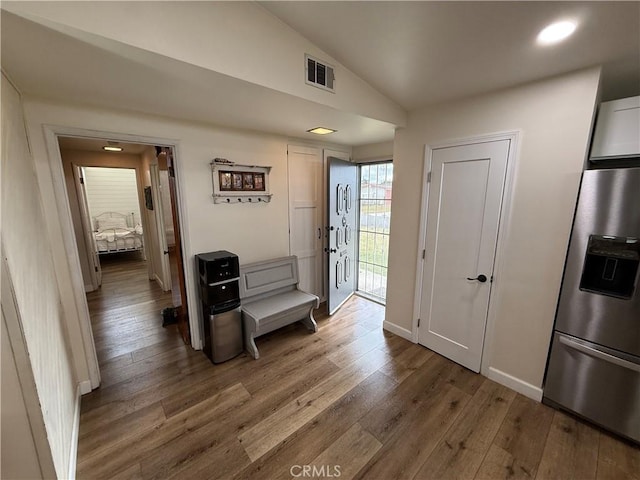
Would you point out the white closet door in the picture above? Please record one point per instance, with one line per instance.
(465, 198)
(305, 215)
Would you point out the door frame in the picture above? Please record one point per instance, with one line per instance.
(87, 349)
(503, 230)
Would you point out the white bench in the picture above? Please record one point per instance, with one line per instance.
(271, 299)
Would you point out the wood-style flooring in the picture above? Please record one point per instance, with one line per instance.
(349, 402)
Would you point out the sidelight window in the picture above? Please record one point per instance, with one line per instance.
(375, 218)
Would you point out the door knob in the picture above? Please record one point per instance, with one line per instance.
(330, 250)
(481, 278)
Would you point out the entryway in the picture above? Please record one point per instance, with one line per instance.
(125, 317)
(122, 202)
(339, 214)
(461, 217)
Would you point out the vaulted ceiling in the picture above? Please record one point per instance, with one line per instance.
(414, 53)
(420, 53)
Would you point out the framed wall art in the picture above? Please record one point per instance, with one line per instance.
(233, 183)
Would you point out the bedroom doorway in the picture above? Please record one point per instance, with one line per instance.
(110, 216)
(126, 228)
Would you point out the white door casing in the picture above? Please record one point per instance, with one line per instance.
(342, 185)
(306, 202)
(87, 230)
(163, 254)
(462, 219)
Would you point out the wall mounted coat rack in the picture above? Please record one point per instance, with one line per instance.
(235, 183)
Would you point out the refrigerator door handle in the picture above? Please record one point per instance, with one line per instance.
(592, 352)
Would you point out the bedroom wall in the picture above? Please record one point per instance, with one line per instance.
(27, 247)
(154, 249)
(165, 198)
(554, 117)
(112, 190)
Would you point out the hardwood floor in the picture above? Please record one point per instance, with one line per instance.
(351, 401)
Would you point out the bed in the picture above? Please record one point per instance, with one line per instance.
(117, 232)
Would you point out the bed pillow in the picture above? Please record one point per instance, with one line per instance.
(114, 222)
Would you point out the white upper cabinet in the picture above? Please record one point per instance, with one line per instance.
(617, 132)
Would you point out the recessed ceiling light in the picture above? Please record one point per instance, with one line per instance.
(112, 149)
(556, 32)
(321, 131)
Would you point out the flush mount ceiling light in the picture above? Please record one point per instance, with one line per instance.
(321, 131)
(556, 32)
(109, 148)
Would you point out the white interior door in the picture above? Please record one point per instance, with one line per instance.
(342, 184)
(90, 241)
(305, 215)
(464, 202)
(165, 268)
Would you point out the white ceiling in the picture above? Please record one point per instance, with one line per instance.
(416, 53)
(419, 53)
(52, 65)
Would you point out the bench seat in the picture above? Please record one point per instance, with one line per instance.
(271, 299)
(270, 308)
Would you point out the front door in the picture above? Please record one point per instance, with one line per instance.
(464, 202)
(341, 194)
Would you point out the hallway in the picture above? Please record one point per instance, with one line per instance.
(125, 312)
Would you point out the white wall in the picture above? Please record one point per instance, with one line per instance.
(373, 152)
(27, 247)
(153, 247)
(19, 455)
(554, 117)
(112, 190)
(253, 231)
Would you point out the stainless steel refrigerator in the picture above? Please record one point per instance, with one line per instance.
(594, 364)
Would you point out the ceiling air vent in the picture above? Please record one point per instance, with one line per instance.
(319, 74)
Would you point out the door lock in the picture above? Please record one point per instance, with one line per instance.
(481, 278)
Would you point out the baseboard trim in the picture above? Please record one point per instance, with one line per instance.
(85, 387)
(520, 386)
(400, 331)
(160, 283)
(75, 432)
